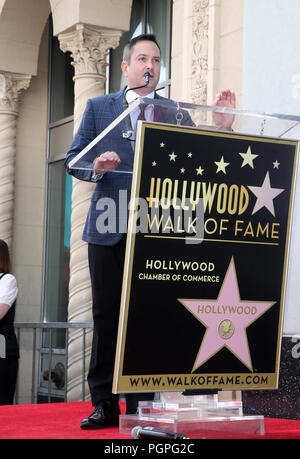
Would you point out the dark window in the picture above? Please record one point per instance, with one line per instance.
(148, 16)
(59, 190)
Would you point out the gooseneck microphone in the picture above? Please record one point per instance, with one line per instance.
(147, 78)
(149, 433)
(129, 132)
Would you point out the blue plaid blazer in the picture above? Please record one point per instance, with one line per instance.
(107, 217)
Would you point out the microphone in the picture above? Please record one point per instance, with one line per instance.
(149, 433)
(147, 76)
(129, 132)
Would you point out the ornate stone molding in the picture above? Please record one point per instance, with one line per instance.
(89, 47)
(11, 85)
(200, 25)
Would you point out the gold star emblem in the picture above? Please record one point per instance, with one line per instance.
(221, 165)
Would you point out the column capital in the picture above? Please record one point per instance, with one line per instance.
(11, 85)
(89, 47)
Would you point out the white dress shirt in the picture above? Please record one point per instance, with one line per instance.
(131, 96)
(8, 289)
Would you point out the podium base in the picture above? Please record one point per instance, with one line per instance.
(195, 416)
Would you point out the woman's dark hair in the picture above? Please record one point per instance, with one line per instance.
(5, 264)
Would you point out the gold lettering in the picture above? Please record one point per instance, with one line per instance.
(166, 193)
(233, 199)
(237, 229)
(274, 232)
(168, 226)
(208, 195)
(222, 198)
(186, 195)
(194, 201)
(261, 230)
(151, 198)
(249, 230)
(176, 205)
(223, 228)
(244, 200)
(208, 222)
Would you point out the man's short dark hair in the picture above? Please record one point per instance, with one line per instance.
(143, 37)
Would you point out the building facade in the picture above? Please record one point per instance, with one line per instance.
(56, 54)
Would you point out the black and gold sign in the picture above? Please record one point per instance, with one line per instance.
(206, 261)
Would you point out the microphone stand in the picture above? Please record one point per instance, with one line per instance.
(147, 76)
(128, 133)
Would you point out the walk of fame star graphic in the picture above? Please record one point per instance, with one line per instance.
(227, 312)
(265, 195)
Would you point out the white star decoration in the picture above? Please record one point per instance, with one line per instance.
(248, 158)
(265, 195)
(221, 165)
(199, 170)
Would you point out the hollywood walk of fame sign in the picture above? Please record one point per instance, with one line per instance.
(206, 260)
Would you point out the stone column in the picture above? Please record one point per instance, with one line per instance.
(11, 85)
(190, 52)
(200, 23)
(89, 48)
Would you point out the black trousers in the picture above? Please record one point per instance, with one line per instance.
(8, 379)
(106, 270)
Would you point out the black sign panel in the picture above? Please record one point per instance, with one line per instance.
(206, 261)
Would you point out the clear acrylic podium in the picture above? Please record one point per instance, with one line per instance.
(185, 114)
(197, 416)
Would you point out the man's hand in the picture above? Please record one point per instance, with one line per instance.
(224, 99)
(108, 161)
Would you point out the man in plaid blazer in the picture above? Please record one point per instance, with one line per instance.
(106, 249)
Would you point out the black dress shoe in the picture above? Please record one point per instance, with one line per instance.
(106, 414)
